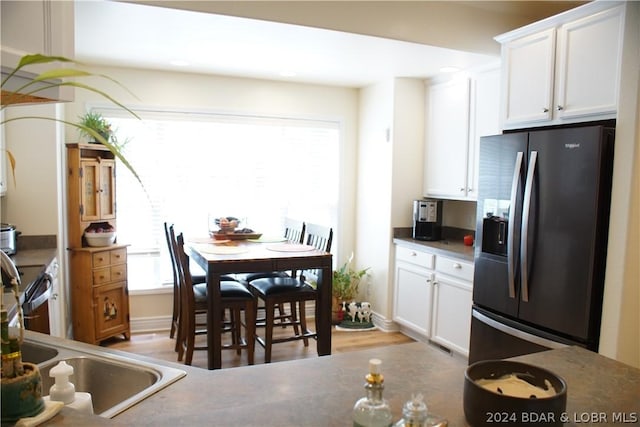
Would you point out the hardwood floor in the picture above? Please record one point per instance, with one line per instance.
(160, 346)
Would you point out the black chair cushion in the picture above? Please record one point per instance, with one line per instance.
(245, 278)
(228, 289)
(279, 285)
(201, 278)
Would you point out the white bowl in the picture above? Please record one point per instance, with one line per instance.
(100, 239)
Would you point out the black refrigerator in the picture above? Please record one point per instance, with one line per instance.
(541, 233)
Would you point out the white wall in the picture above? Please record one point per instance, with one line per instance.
(620, 331)
(389, 178)
(31, 202)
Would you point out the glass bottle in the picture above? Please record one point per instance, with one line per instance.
(372, 410)
(414, 413)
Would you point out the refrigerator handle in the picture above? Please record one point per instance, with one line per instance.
(511, 259)
(526, 211)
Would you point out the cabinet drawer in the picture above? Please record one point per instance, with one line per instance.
(109, 274)
(455, 268)
(101, 275)
(118, 256)
(119, 272)
(101, 259)
(423, 259)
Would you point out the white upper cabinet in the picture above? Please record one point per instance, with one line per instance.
(30, 27)
(528, 68)
(460, 111)
(447, 139)
(563, 70)
(589, 55)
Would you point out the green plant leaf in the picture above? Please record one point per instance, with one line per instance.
(114, 149)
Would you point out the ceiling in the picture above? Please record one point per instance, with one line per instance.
(300, 50)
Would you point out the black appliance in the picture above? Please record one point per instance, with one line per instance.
(542, 227)
(427, 219)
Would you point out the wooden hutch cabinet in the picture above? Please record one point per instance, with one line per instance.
(99, 292)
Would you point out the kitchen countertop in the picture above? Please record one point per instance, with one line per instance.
(321, 391)
(447, 247)
(34, 257)
(22, 259)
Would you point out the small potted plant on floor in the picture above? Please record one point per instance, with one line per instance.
(346, 284)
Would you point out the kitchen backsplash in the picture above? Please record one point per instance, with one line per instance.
(459, 214)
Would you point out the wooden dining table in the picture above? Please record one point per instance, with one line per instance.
(243, 256)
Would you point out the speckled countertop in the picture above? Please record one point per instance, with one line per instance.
(34, 257)
(448, 247)
(321, 391)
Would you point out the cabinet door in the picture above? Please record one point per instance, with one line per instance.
(485, 120)
(528, 66)
(451, 325)
(98, 197)
(589, 55)
(45, 27)
(107, 192)
(413, 294)
(447, 138)
(90, 187)
(111, 310)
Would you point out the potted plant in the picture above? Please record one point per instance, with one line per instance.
(97, 123)
(346, 284)
(20, 381)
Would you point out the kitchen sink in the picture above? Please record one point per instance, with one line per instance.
(35, 353)
(115, 379)
(110, 383)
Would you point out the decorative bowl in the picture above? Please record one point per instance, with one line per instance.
(105, 238)
(487, 407)
(227, 224)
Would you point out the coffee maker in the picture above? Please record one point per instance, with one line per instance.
(427, 219)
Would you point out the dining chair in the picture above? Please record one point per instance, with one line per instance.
(292, 290)
(234, 297)
(175, 317)
(195, 279)
(293, 232)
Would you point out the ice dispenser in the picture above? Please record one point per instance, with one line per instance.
(494, 235)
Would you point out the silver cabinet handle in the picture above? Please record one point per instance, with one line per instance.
(526, 211)
(511, 257)
(545, 110)
(414, 254)
(457, 266)
(560, 107)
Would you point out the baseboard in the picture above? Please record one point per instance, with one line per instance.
(150, 324)
(384, 324)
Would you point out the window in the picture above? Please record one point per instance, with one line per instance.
(196, 165)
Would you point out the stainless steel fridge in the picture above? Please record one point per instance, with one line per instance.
(541, 233)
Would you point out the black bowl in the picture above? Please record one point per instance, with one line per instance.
(485, 407)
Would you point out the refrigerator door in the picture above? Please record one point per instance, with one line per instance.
(561, 235)
(502, 170)
(496, 337)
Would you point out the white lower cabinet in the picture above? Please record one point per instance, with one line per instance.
(432, 297)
